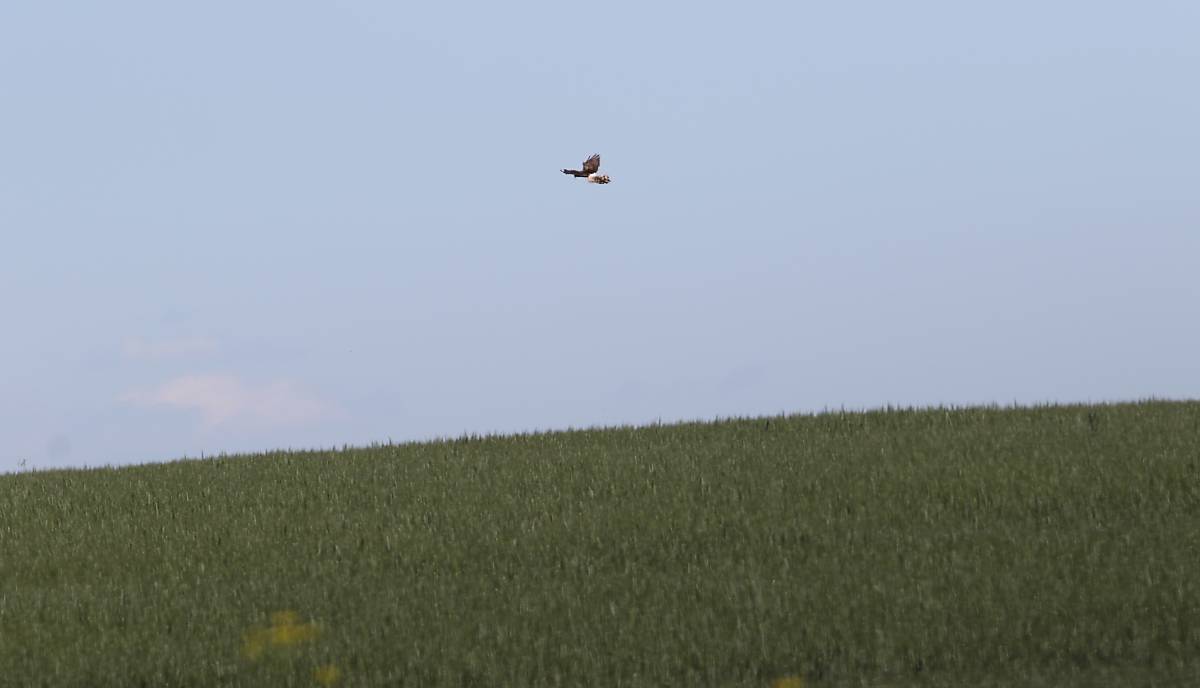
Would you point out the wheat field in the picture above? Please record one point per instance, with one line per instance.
(1045, 546)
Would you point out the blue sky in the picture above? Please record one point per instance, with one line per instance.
(243, 226)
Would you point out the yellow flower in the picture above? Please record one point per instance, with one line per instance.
(327, 675)
(285, 630)
(292, 634)
(788, 682)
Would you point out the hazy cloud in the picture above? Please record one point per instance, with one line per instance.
(173, 347)
(225, 398)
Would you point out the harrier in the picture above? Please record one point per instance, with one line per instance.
(591, 170)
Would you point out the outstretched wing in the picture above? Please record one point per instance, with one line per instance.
(592, 164)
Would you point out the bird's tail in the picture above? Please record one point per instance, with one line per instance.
(599, 179)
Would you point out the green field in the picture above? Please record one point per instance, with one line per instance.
(1041, 546)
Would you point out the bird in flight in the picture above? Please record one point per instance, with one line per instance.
(591, 170)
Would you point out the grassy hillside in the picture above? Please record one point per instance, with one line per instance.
(1045, 546)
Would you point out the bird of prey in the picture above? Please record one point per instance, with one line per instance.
(591, 170)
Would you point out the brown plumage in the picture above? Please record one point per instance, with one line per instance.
(591, 171)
